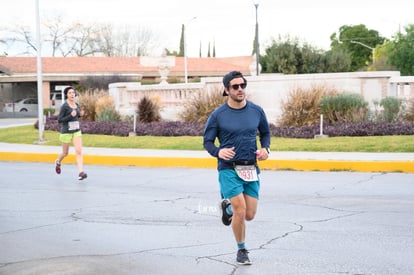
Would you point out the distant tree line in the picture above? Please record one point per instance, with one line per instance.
(353, 47)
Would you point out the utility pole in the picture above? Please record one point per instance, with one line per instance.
(256, 5)
(185, 50)
(39, 77)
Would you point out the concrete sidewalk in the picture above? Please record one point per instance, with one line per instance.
(302, 161)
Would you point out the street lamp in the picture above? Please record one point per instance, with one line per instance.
(256, 5)
(185, 50)
(366, 46)
(39, 77)
(362, 44)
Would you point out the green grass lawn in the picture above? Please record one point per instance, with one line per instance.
(29, 135)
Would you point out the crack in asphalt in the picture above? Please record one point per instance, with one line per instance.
(284, 235)
(75, 216)
(371, 177)
(114, 254)
(301, 227)
(215, 259)
(33, 227)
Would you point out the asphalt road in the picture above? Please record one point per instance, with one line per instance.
(137, 220)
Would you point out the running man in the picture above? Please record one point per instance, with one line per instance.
(235, 124)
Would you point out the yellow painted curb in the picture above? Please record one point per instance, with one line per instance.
(335, 165)
(272, 164)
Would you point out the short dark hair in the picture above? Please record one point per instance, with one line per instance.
(229, 77)
(66, 90)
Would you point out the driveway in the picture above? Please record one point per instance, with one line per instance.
(13, 122)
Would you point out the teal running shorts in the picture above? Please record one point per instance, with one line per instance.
(231, 185)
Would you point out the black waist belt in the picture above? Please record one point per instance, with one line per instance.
(244, 162)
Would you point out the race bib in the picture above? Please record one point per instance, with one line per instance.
(246, 172)
(73, 125)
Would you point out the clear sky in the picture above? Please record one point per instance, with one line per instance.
(230, 24)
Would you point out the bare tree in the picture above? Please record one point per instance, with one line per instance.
(19, 38)
(132, 42)
(3, 51)
(57, 34)
(78, 39)
(106, 40)
(84, 41)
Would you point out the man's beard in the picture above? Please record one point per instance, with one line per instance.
(237, 99)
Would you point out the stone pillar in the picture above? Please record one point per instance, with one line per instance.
(46, 94)
(164, 71)
(164, 66)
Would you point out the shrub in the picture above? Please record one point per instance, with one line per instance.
(200, 105)
(106, 128)
(170, 128)
(344, 108)
(409, 111)
(364, 128)
(87, 101)
(367, 128)
(392, 107)
(105, 109)
(48, 111)
(148, 110)
(303, 105)
(176, 128)
(108, 115)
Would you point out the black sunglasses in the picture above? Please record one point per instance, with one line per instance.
(236, 86)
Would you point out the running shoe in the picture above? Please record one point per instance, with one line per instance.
(242, 257)
(57, 167)
(225, 218)
(82, 176)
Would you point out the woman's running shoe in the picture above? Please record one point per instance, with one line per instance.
(57, 167)
(82, 176)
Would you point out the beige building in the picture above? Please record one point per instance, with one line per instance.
(18, 75)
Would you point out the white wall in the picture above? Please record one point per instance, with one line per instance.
(267, 90)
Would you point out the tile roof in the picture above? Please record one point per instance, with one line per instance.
(66, 65)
